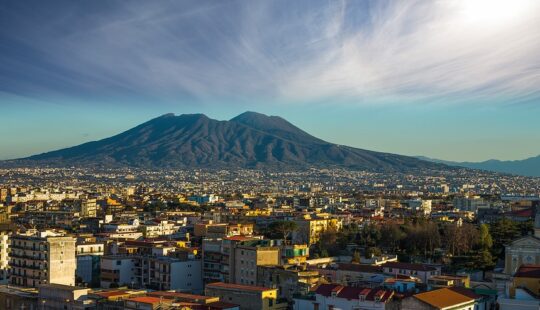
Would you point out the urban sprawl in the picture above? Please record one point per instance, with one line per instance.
(320, 239)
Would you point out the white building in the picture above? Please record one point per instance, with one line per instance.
(42, 258)
(158, 273)
(4, 257)
(153, 229)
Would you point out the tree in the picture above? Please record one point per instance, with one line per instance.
(370, 235)
(283, 228)
(391, 236)
(485, 241)
(503, 232)
(484, 259)
(460, 240)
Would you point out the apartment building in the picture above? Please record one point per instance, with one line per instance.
(88, 254)
(235, 259)
(89, 208)
(4, 257)
(157, 228)
(221, 230)
(41, 258)
(289, 280)
(218, 257)
(310, 229)
(158, 273)
(250, 255)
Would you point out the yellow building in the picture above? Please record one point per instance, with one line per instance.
(527, 276)
(310, 229)
(523, 250)
(247, 296)
(220, 230)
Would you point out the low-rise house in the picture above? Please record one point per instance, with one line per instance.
(440, 281)
(353, 274)
(58, 296)
(441, 299)
(247, 296)
(421, 271)
(523, 290)
(336, 296)
(402, 284)
(289, 280)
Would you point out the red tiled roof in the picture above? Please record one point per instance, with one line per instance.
(348, 292)
(443, 298)
(465, 291)
(523, 213)
(145, 300)
(528, 271)
(107, 294)
(238, 287)
(238, 238)
(178, 295)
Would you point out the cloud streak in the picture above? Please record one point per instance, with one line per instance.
(361, 52)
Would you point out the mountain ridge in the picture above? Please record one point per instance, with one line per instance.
(249, 140)
(525, 167)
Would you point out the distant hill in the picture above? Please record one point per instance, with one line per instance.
(250, 140)
(526, 167)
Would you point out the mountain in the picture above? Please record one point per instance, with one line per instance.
(250, 140)
(526, 167)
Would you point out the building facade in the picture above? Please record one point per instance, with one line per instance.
(42, 258)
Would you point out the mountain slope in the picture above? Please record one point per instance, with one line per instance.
(526, 167)
(248, 140)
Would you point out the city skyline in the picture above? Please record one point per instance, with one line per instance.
(447, 80)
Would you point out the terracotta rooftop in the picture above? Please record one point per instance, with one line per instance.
(443, 298)
(348, 292)
(179, 295)
(238, 287)
(465, 291)
(238, 238)
(146, 300)
(528, 271)
(107, 294)
(523, 213)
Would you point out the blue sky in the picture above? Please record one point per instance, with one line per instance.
(457, 80)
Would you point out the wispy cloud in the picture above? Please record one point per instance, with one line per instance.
(358, 51)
